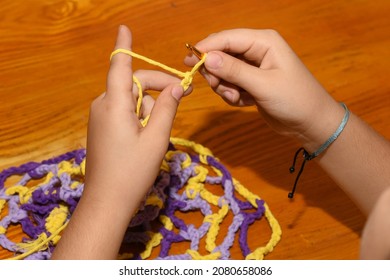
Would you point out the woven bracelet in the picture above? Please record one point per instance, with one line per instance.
(307, 156)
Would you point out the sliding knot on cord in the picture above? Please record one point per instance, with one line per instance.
(187, 80)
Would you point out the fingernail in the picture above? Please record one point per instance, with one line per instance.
(177, 92)
(213, 61)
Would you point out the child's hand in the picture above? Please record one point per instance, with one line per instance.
(257, 67)
(123, 158)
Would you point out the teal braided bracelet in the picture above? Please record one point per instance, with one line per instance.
(307, 156)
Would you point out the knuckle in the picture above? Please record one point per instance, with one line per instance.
(137, 73)
(272, 33)
(141, 73)
(212, 35)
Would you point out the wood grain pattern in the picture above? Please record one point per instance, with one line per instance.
(54, 59)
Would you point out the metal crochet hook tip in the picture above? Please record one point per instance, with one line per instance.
(195, 51)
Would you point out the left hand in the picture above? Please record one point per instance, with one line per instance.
(123, 158)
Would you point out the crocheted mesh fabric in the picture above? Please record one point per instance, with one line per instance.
(190, 179)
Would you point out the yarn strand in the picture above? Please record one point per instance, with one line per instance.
(187, 76)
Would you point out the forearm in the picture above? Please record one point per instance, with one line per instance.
(96, 228)
(358, 161)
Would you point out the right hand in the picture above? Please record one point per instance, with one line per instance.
(257, 67)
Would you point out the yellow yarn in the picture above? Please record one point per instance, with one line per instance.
(196, 256)
(154, 200)
(22, 191)
(55, 220)
(187, 162)
(39, 244)
(259, 253)
(215, 220)
(201, 150)
(164, 166)
(74, 185)
(156, 237)
(153, 242)
(2, 204)
(30, 245)
(25, 193)
(166, 221)
(193, 185)
(55, 223)
(187, 76)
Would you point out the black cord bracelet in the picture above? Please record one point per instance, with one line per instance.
(307, 156)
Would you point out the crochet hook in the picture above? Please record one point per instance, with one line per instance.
(195, 51)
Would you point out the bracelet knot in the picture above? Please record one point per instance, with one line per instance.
(307, 156)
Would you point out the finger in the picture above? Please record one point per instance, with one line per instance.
(119, 81)
(154, 80)
(234, 71)
(236, 98)
(164, 111)
(147, 105)
(233, 95)
(252, 44)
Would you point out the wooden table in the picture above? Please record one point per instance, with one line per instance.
(54, 56)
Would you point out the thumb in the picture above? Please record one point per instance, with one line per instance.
(234, 71)
(164, 110)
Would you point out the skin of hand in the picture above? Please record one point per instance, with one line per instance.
(257, 67)
(123, 158)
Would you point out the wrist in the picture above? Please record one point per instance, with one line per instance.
(125, 200)
(106, 222)
(324, 123)
(311, 154)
